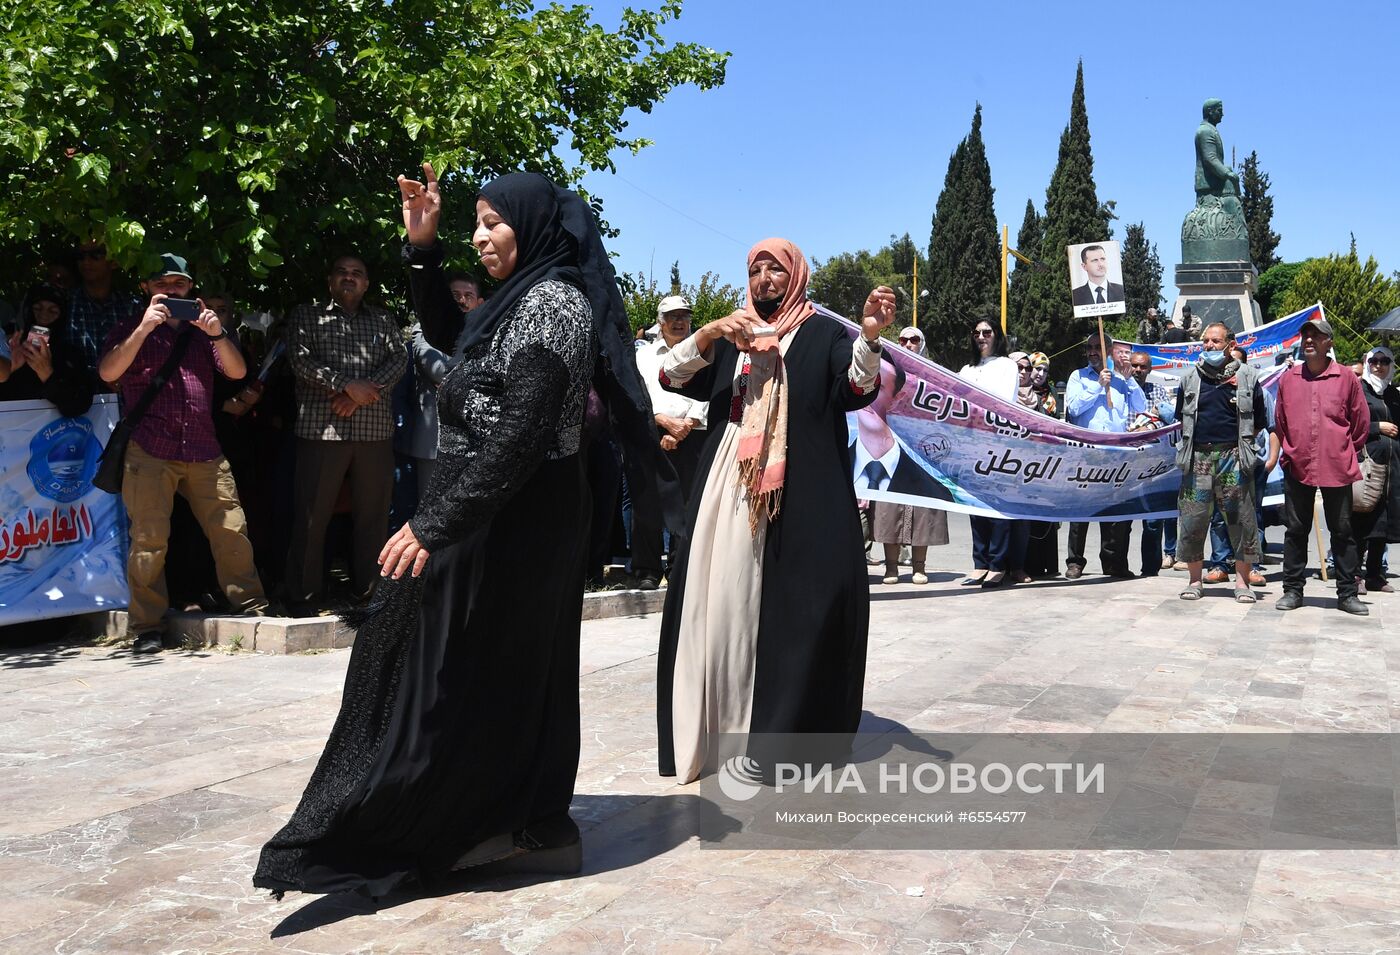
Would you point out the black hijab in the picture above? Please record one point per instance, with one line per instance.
(557, 238)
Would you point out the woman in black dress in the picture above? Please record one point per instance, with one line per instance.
(458, 737)
(768, 607)
(42, 365)
(1374, 529)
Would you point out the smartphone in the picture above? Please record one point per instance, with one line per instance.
(184, 309)
(38, 335)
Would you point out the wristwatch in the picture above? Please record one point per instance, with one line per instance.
(223, 333)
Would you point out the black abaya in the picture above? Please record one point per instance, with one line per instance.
(809, 669)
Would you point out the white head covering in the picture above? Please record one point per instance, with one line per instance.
(915, 333)
(1377, 383)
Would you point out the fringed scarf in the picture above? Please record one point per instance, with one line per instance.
(763, 427)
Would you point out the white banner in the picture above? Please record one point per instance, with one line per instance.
(63, 543)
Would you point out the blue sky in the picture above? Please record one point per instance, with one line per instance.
(836, 122)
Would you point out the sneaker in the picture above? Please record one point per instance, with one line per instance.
(1289, 601)
(149, 642)
(919, 577)
(890, 578)
(1216, 576)
(1168, 561)
(1353, 605)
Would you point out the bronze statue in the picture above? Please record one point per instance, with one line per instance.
(1215, 230)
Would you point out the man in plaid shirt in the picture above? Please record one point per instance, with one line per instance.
(173, 449)
(346, 357)
(96, 308)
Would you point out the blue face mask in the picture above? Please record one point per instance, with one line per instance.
(1215, 359)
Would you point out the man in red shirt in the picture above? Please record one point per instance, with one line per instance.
(174, 449)
(1321, 421)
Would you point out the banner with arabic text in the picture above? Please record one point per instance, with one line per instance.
(941, 442)
(63, 542)
(1263, 345)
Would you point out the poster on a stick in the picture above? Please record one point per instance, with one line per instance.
(1096, 279)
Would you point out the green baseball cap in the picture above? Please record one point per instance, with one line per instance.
(172, 264)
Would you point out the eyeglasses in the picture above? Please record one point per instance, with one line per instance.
(983, 333)
(1380, 360)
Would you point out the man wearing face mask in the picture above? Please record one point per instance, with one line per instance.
(1221, 409)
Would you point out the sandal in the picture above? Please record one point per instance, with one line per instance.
(1192, 591)
(1243, 595)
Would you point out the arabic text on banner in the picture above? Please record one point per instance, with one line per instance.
(972, 452)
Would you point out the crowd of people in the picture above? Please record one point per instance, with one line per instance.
(279, 448)
(484, 456)
(1327, 424)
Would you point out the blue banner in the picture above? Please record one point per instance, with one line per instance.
(1263, 344)
(63, 543)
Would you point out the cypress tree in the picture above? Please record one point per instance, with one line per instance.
(1073, 215)
(1142, 273)
(1258, 214)
(1028, 242)
(964, 281)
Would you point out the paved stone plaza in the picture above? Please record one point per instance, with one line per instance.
(138, 791)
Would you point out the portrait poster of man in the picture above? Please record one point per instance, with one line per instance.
(1096, 279)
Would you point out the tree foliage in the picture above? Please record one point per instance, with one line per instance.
(1258, 214)
(964, 279)
(1142, 273)
(1353, 294)
(709, 298)
(260, 137)
(1273, 287)
(1073, 214)
(1028, 242)
(842, 282)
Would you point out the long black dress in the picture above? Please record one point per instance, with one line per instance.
(1381, 526)
(809, 658)
(460, 716)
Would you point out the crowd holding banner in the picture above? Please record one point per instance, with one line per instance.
(996, 458)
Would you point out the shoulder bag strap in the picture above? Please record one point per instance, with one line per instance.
(167, 370)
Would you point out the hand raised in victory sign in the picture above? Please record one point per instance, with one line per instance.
(878, 313)
(422, 207)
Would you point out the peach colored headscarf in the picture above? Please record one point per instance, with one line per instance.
(763, 427)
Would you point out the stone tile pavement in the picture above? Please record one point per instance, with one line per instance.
(138, 790)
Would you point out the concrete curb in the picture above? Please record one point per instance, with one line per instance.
(300, 634)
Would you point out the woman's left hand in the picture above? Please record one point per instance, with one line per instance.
(401, 552)
(879, 312)
(39, 358)
(1388, 429)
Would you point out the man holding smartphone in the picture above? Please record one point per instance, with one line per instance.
(174, 448)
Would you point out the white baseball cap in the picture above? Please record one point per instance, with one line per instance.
(672, 303)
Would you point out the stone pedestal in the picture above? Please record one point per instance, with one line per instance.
(1219, 292)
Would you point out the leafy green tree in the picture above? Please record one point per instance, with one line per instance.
(1142, 274)
(1028, 242)
(1274, 285)
(1073, 215)
(964, 279)
(842, 282)
(709, 298)
(1353, 294)
(1258, 213)
(261, 137)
